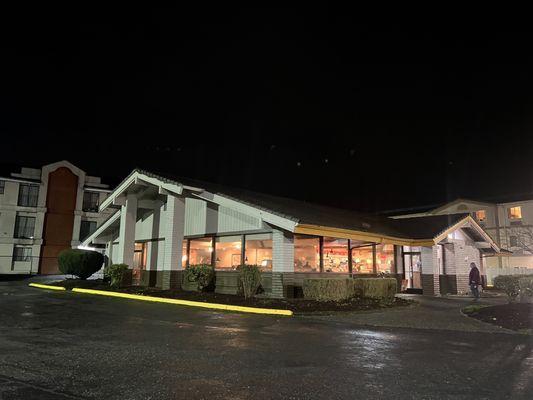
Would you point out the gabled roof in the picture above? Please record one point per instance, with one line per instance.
(306, 217)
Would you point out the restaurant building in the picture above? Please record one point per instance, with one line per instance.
(162, 224)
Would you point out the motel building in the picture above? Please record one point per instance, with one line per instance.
(44, 211)
(161, 224)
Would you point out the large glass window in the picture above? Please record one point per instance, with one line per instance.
(201, 251)
(306, 254)
(91, 201)
(184, 255)
(335, 255)
(87, 228)
(385, 258)
(363, 260)
(28, 195)
(228, 252)
(258, 250)
(24, 227)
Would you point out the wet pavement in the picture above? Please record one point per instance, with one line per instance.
(57, 345)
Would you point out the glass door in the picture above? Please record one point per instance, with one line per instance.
(413, 270)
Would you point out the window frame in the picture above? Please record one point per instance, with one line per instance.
(90, 206)
(2, 186)
(16, 233)
(510, 213)
(84, 222)
(32, 199)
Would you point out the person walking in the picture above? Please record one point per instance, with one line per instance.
(474, 280)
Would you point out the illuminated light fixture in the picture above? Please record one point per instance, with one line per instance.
(184, 258)
(264, 263)
(87, 248)
(210, 249)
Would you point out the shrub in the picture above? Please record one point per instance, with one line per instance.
(328, 289)
(509, 284)
(375, 288)
(526, 289)
(200, 277)
(249, 279)
(81, 263)
(115, 274)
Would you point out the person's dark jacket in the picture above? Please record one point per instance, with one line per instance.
(474, 277)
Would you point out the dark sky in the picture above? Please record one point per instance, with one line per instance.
(323, 105)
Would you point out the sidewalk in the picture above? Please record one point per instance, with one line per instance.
(442, 313)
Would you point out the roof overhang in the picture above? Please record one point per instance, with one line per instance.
(110, 226)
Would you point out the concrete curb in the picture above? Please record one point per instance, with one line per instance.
(50, 287)
(214, 306)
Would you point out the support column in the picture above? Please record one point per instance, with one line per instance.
(282, 261)
(109, 252)
(128, 218)
(173, 232)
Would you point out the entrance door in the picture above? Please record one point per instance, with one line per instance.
(413, 270)
(139, 263)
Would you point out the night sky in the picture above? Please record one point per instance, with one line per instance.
(321, 105)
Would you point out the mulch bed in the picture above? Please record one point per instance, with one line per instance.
(515, 316)
(300, 306)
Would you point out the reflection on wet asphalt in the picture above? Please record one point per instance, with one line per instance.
(65, 345)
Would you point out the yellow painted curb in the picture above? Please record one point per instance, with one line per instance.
(214, 306)
(38, 285)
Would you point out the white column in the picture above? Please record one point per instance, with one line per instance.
(282, 260)
(282, 251)
(174, 230)
(110, 252)
(126, 240)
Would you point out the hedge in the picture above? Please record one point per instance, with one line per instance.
(516, 286)
(80, 263)
(328, 289)
(375, 288)
(199, 278)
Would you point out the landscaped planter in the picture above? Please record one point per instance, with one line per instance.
(375, 288)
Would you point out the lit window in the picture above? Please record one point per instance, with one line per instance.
(480, 215)
(258, 250)
(336, 255)
(385, 258)
(306, 254)
(200, 251)
(363, 260)
(515, 212)
(228, 252)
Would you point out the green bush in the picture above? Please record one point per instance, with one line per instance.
(80, 263)
(115, 274)
(328, 289)
(509, 284)
(375, 288)
(200, 277)
(249, 279)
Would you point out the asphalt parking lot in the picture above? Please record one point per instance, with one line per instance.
(57, 345)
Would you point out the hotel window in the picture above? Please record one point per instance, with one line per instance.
(363, 259)
(481, 215)
(21, 253)
(24, 227)
(513, 241)
(385, 258)
(2, 186)
(228, 250)
(91, 201)
(258, 250)
(515, 212)
(28, 195)
(336, 255)
(87, 228)
(201, 251)
(306, 254)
